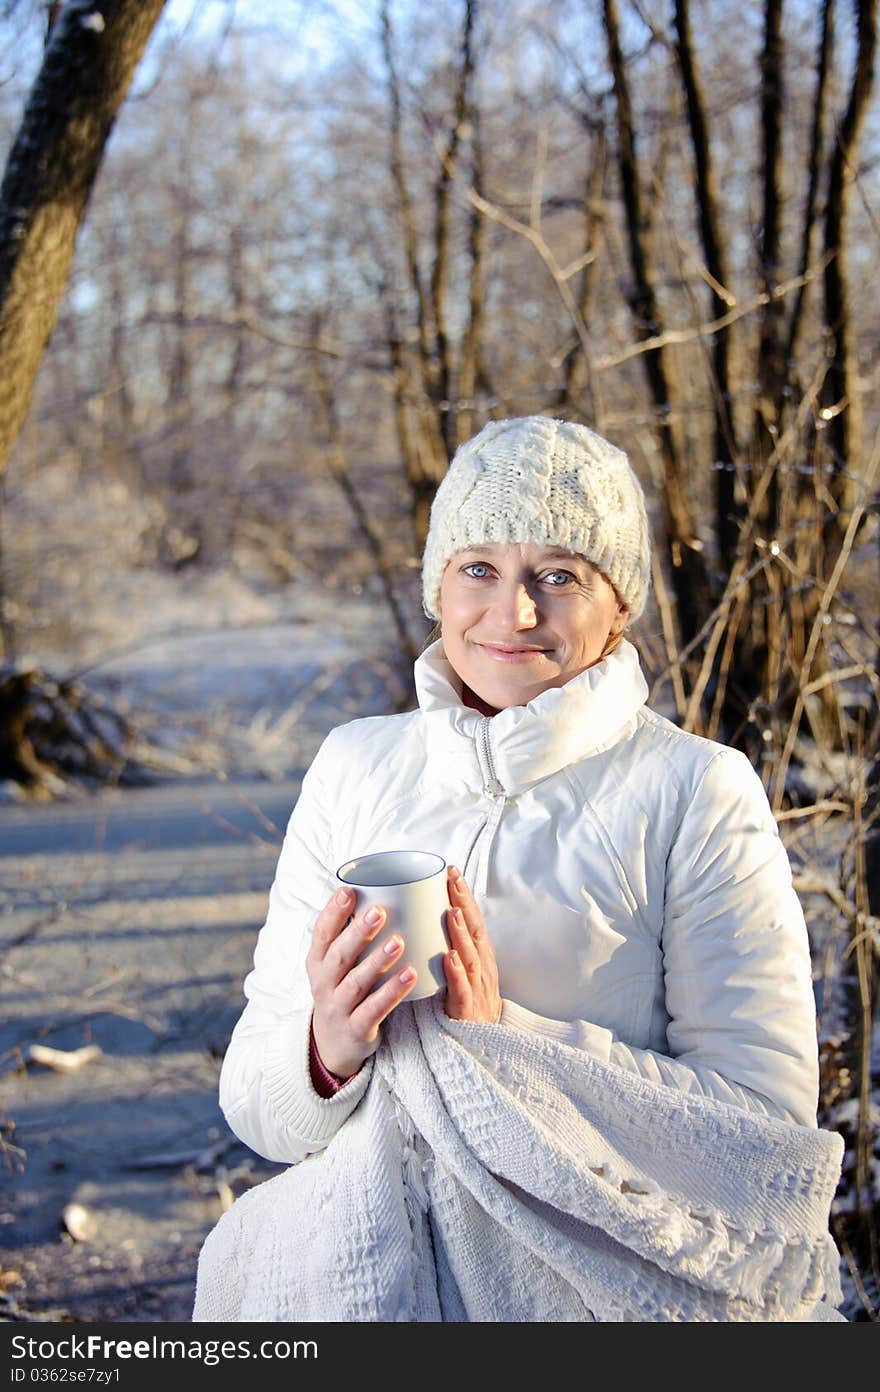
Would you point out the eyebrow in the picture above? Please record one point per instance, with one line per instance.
(548, 555)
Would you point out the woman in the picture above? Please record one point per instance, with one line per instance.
(597, 1117)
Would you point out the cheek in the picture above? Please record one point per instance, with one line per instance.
(456, 606)
(452, 590)
(594, 626)
(452, 625)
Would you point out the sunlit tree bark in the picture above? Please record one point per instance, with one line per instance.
(90, 59)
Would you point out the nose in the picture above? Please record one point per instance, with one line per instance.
(517, 606)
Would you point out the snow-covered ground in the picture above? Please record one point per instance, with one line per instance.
(247, 684)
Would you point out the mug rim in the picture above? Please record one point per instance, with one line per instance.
(381, 855)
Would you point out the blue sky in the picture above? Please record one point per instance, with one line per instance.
(314, 29)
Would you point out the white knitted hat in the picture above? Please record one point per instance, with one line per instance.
(550, 482)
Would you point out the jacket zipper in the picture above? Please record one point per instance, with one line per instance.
(491, 785)
(494, 789)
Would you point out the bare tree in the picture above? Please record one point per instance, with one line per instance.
(841, 394)
(473, 374)
(575, 375)
(92, 51)
(91, 56)
(689, 572)
(717, 265)
(440, 370)
(815, 165)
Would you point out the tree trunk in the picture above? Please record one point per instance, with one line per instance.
(841, 392)
(757, 647)
(443, 386)
(472, 373)
(727, 513)
(326, 395)
(811, 209)
(429, 451)
(574, 366)
(117, 422)
(422, 485)
(235, 272)
(689, 573)
(770, 371)
(846, 441)
(90, 59)
(183, 537)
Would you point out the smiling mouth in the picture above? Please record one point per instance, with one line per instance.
(511, 649)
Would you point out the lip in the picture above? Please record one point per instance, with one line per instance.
(510, 652)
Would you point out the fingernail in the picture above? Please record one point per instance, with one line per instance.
(459, 917)
(455, 959)
(343, 897)
(406, 976)
(391, 945)
(454, 873)
(373, 916)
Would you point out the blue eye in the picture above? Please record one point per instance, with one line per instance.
(476, 565)
(566, 576)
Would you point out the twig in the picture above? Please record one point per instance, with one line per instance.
(707, 330)
(202, 1158)
(828, 594)
(860, 669)
(250, 324)
(740, 574)
(64, 1060)
(668, 625)
(532, 233)
(813, 810)
(257, 812)
(805, 885)
(845, 1248)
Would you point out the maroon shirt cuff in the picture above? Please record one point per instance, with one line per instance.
(325, 1083)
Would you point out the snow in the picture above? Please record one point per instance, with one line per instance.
(240, 681)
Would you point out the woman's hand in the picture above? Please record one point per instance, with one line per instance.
(346, 1015)
(470, 967)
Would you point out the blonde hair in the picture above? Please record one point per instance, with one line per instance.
(612, 644)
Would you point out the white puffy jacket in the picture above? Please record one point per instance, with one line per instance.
(632, 879)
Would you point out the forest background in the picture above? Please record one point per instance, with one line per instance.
(245, 323)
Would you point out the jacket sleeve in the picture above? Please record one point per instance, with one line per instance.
(266, 1093)
(736, 961)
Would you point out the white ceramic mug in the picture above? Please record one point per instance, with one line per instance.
(411, 887)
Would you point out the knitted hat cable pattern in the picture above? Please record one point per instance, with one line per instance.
(550, 482)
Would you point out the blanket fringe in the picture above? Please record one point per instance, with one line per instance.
(705, 1246)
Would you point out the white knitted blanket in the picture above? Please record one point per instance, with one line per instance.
(491, 1175)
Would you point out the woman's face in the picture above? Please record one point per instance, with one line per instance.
(517, 618)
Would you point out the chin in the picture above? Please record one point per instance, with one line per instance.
(521, 697)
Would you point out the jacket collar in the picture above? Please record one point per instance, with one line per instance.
(528, 743)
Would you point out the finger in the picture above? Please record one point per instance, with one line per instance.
(459, 996)
(461, 942)
(378, 1004)
(359, 981)
(330, 922)
(461, 897)
(343, 953)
